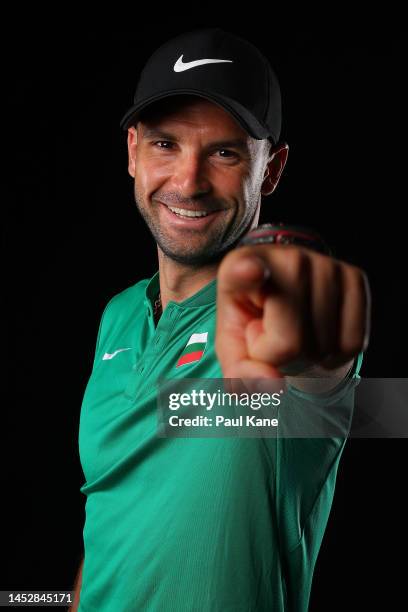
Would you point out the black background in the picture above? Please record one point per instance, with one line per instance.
(73, 238)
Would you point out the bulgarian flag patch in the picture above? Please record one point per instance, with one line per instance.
(194, 349)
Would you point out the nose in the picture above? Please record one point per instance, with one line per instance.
(190, 176)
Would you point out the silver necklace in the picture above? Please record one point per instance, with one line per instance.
(157, 306)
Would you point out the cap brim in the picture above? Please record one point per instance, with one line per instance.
(246, 120)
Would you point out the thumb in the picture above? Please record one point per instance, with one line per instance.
(242, 273)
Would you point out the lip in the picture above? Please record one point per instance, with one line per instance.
(198, 223)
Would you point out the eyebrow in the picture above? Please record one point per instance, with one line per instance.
(237, 143)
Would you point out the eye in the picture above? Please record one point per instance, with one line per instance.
(167, 145)
(229, 154)
(167, 142)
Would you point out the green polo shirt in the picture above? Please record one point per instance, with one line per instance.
(182, 524)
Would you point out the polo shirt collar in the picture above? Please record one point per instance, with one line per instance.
(203, 297)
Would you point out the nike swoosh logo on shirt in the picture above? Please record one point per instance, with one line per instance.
(180, 66)
(112, 355)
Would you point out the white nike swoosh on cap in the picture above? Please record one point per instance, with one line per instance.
(112, 355)
(180, 66)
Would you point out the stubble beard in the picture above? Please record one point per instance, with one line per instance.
(195, 251)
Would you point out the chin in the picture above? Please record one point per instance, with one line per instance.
(191, 258)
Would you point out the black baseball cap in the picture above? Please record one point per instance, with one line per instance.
(218, 66)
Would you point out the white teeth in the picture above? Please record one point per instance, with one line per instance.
(182, 212)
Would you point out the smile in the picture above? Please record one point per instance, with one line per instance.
(183, 212)
(187, 219)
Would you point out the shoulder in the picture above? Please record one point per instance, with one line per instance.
(129, 298)
(125, 305)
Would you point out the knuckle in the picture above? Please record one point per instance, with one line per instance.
(364, 284)
(296, 263)
(359, 276)
(361, 286)
(225, 262)
(231, 258)
(353, 346)
(333, 278)
(329, 269)
(223, 271)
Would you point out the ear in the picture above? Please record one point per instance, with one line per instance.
(132, 149)
(277, 160)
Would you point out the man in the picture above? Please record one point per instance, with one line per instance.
(229, 523)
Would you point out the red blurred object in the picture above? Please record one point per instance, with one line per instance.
(280, 233)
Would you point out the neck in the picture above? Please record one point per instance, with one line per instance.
(179, 282)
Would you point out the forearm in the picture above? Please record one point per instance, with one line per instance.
(317, 379)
